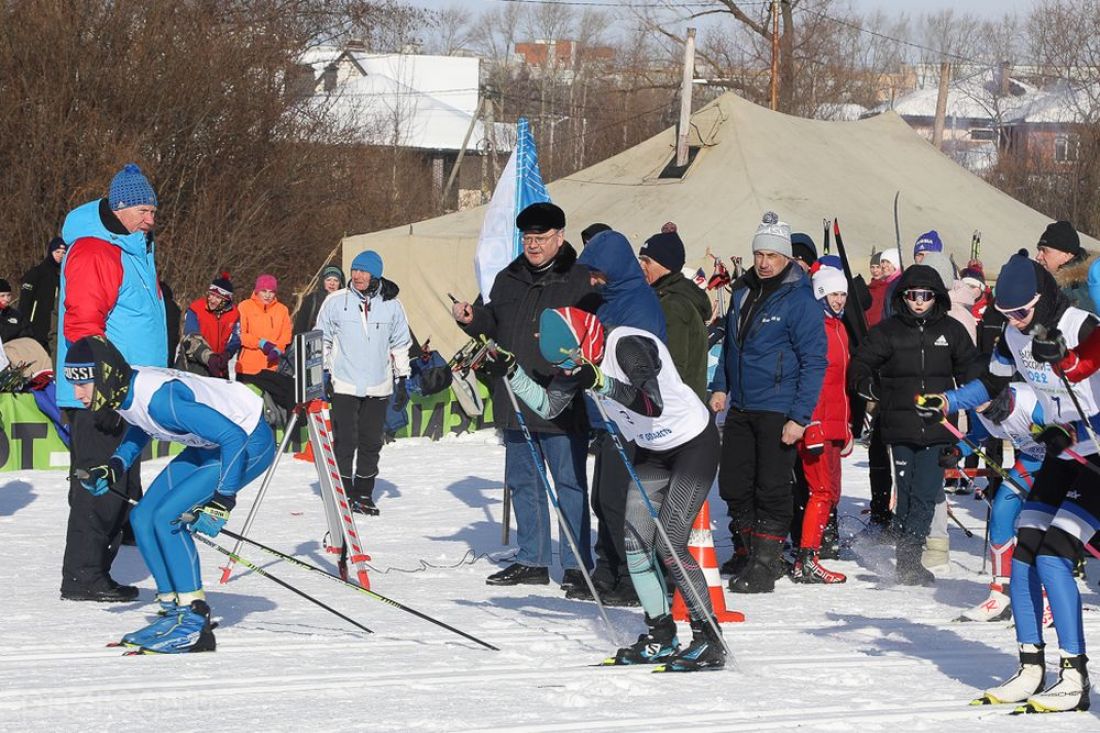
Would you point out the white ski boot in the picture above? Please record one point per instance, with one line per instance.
(1070, 692)
(996, 607)
(1027, 682)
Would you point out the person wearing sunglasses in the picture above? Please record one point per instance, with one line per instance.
(1062, 509)
(918, 349)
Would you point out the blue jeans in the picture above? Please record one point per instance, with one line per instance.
(565, 455)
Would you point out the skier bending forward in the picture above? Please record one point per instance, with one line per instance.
(228, 445)
(677, 461)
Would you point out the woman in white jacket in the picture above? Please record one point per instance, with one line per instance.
(366, 341)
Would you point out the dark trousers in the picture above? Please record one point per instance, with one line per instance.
(95, 522)
(754, 477)
(882, 475)
(611, 484)
(357, 426)
(279, 386)
(919, 477)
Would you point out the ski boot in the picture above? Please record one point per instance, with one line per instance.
(807, 569)
(1070, 692)
(167, 607)
(188, 630)
(365, 506)
(997, 607)
(653, 647)
(704, 652)
(1027, 681)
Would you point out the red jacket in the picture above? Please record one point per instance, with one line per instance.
(831, 419)
(216, 328)
(878, 297)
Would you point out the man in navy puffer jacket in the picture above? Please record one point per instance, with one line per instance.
(769, 374)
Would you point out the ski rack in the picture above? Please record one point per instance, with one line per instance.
(342, 532)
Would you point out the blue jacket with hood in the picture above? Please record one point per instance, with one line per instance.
(115, 292)
(777, 362)
(628, 300)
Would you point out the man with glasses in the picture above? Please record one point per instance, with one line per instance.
(1062, 509)
(918, 349)
(546, 275)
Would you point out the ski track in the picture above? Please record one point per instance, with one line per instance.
(866, 654)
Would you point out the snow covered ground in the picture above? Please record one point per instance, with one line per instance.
(863, 654)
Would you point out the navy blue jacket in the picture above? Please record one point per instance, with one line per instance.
(777, 363)
(627, 298)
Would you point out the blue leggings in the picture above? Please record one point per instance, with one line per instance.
(1008, 502)
(186, 482)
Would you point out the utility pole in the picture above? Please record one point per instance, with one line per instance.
(685, 100)
(941, 106)
(462, 151)
(775, 56)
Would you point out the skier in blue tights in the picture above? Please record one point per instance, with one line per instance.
(228, 444)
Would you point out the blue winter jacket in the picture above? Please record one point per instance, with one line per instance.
(777, 363)
(136, 323)
(628, 300)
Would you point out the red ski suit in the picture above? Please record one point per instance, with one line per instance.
(826, 436)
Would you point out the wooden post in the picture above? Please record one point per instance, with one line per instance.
(685, 100)
(775, 56)
(462, 152)
(941, 106)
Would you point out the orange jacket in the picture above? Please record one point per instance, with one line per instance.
(259, 320)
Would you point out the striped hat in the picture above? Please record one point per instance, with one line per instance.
(569, 336)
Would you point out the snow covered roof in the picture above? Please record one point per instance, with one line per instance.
(972, 97)
(414, 101)
(1061, 105)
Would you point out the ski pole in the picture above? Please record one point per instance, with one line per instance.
(955, 519)
(553, 495)
(691, 589)
(897, 230)
(366, 591)
(985, 537)
(82, 475)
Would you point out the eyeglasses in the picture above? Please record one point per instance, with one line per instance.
(920, 296)
(540, 239)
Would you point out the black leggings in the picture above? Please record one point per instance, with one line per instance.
(677, 482)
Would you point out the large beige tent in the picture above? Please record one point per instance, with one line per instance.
(751, 160)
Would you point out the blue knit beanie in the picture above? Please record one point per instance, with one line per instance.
(928, 242)
(1017, 283)
(129, 188)
(368, 261)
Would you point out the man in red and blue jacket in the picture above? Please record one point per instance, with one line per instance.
(109, 287)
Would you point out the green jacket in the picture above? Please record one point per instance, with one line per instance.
(687, 309)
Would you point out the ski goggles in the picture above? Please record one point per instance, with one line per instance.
(1021, 313)
(919, 295)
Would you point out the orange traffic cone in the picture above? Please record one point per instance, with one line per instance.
(701, 547)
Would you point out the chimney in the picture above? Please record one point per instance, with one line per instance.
(328, 76)
(1003, 79)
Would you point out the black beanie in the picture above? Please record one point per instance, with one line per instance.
(1061, 236)
(666, 249)
(55, 244)
(222, 285)
(803, 247)
(5, 286)
(592, 230)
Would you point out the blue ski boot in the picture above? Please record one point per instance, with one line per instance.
(166, 612)
(187, 630)
(654, 647)
(704, 652)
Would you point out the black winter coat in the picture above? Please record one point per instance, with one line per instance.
(511, 318)
(38, 301)
(13, 325)
(306, 317)
(905, 356)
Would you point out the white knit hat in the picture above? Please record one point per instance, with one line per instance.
(829, 280)
(891, 255)
(772, 236)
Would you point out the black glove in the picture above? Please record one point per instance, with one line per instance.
(589, 376)
(1050, 348)
(400, 395)
(499, 363)
(1000, 407)
(326, 381)
(949, 456)
(931, 407)
(1056, 437)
